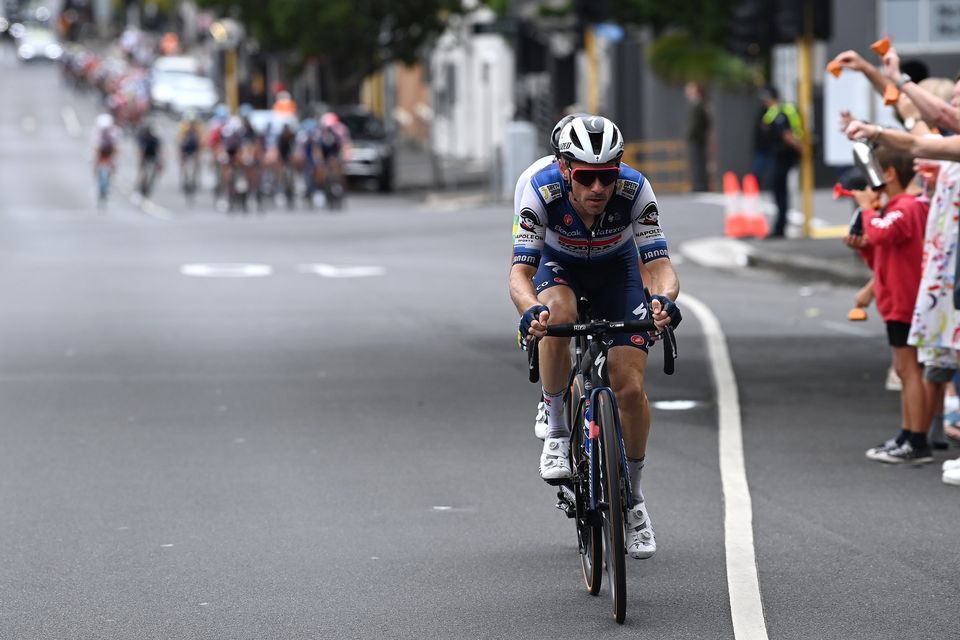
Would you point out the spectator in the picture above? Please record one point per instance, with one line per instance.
(698, 135)
(784, 132)
(892, 244)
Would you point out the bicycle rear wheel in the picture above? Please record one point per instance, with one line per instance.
(611, 492)
(589, 534)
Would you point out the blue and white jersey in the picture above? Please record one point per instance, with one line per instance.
(545, 217)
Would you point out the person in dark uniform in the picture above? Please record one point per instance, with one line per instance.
(784, 131)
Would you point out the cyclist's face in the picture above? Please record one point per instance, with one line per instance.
(591, 185)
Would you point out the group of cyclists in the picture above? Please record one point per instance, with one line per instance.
(279, 159)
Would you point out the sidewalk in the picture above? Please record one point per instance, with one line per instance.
(821, 257)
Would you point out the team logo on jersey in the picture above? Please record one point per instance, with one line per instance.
(650, 214)
(529, 221)
(550, 192)
(627, 188)
(568, 219)
(638, 340)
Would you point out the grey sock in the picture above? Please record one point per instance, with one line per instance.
(635, 467)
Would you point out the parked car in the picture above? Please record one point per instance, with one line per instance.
(38, 43)
(177, 85)
(371, 155)
(180, 92)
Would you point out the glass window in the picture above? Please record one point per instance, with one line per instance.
(945, 21)
(902, 20)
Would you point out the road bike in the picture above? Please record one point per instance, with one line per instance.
(598, 492)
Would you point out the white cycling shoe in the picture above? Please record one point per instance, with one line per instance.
(540, 426)
(555, 459)
(641, 543)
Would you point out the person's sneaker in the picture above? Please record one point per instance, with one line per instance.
(906, 454)
(555, 459)
(877, 451)
(952, 477)
(640, 540)
(893, 382)
(540, 426)
(949, 465)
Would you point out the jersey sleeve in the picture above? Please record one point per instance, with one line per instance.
(645, 217)
(529, 227)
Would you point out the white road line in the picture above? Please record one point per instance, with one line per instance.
(71, 122)
(743, 583)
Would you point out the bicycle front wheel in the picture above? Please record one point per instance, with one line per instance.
(611, 503)
(589, 533)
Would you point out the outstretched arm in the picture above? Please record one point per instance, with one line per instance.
(934, 111)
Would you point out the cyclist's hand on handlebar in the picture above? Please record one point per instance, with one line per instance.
(533, 322)
(665, 312)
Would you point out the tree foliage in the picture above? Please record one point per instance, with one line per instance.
(350, 38)
(691, 38)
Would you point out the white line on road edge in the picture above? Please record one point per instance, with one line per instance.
(71, 122)
(746, 607)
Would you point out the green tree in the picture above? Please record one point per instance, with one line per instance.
(350, 38)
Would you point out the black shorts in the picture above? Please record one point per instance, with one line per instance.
(897, 333)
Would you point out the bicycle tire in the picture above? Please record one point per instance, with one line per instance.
(589, 534)
(611, 488)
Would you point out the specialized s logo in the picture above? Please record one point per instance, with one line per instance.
(529, 221)
(550, 192)
(650, 214)
(627, 188)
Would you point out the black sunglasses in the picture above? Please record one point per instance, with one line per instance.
(587, 175)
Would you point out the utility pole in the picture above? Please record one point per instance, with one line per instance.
(805, 99)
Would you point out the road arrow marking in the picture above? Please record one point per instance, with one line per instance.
(330, 271)
(226, 270)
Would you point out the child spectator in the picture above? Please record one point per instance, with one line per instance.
(892, 244)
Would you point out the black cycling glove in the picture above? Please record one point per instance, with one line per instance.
(526, 319)
(671, 309)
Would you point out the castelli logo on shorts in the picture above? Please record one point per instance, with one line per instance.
(638, 340)
(560, 281)
(568, 219)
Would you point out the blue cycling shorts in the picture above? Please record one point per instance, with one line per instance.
(613, 286)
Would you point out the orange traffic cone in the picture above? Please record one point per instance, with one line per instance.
(756, 224)
(734, 222)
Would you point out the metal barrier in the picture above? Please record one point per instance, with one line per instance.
(663, 162)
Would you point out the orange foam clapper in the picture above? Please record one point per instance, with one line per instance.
(857, 315)
(835, 68)
(881, 46)
(891, 95)
(750, 185)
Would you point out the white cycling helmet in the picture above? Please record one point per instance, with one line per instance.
(591, 139)
(557, 128)
(104, 121)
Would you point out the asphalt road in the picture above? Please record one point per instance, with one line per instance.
(315, 452)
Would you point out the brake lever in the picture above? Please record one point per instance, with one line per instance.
(533, 359)
(669, 349)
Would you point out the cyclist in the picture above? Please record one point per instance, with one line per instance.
(578, 229)
(334, 143)
(104, 154)
(151, 159)
(189, 140)
(540, 424)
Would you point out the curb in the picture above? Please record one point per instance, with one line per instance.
(803, 267)
(727, 253)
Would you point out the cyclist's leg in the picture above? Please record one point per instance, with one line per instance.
(556, 292)
(616, 293)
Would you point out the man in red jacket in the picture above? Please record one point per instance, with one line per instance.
(892, 244)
